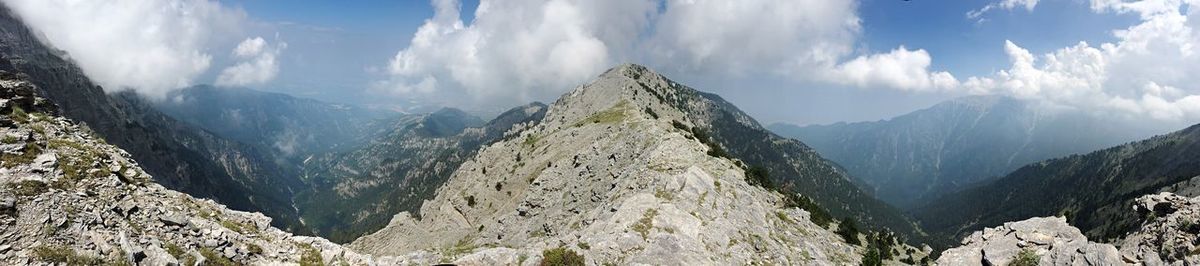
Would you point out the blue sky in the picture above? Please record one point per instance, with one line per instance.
(796, 61)
(380, 28)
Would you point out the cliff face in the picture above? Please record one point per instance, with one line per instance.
(618, 175)
(180, 156)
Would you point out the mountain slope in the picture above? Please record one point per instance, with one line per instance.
(358, 191)
(920, 155)
(621, 176)
(293, 127)
(1093, 190)
(69, 198)
(180, 156)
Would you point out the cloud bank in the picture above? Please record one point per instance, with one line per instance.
(151, 46)
(1148, 72)
(258, 65)
(517, 50)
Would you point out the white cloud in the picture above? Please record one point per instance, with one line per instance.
(519, 50)
(742, 37)
(152, 46)
(515, 50)
(258, 67)
(901, 69)
(1149, 71)
(1002, 4)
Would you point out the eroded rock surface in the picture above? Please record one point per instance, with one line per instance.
(1168, 236)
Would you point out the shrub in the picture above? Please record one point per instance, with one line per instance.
(28, 188)
(561, 256)
(849, 231)
(1027, 257)
(470, 201)
(758, 176)
(311, 256)
(651, 112)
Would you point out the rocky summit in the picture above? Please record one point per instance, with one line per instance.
(1168, 236)
(615, 175)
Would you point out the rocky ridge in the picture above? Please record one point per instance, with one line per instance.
(67, 197)
(617, 175)
(1169, 235)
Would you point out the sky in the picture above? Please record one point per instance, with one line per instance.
(794, 61)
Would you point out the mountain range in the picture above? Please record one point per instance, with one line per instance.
(919, 156)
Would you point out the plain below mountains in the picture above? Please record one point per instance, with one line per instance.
(921, 155)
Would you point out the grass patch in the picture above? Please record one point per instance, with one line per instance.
(9, 139)
(664, 194)
(27, 155)
(310, 256)
(18, 115)
(175, 251)
(212, 258)
(561, 256)
(609, 116)
(1027, 257)
(28, 188)
(643, 225)
(64, 255)
(783, 216)
(241, 228)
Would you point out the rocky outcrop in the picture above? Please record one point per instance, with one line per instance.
(67, 197)
(1048, 239)
(1171, 234)
(617, 175)
(1167, 236)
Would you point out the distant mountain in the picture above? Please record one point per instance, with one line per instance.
(356, 192)
(954, 144)
(1094, 191)
(293, 127)
(633, 168)
(178, 155)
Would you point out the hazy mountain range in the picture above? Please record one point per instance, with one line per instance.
(918, 156)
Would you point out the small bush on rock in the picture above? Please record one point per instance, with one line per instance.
(561, 257)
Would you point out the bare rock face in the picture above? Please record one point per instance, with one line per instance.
(67, 197)
(1049, 239)
(606, 175)
(1171, 233)
(1168, 235)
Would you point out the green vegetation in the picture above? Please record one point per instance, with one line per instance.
(9, 139)
(28, 188)
(310, 256)
(254, 248)
(470, 201)
(849, 231)
(241, 228)
(651, 112)
(27, 155)
(609, 116)
(561, 257)
(584, 245)
(212, 258)
(758, 176)
(18, 115)
(176, 252)
(64, 255)
(643, 225)
(1027, 257)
